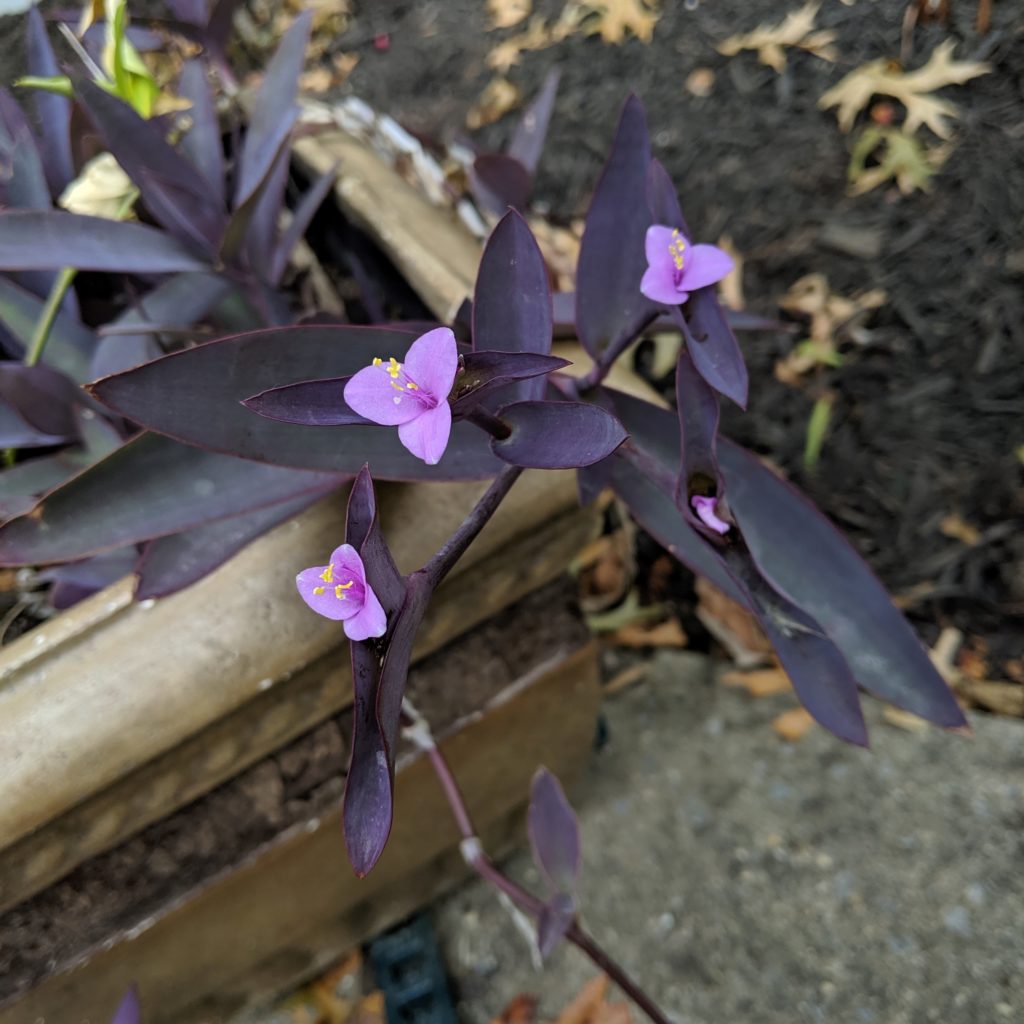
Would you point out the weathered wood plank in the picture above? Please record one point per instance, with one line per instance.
(295, 905)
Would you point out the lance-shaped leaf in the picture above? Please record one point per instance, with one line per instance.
(698, 412)
(70, 344)
(499, 181)
(258, 217)
(53, 112)
(362, 531)
(51, 239)
(482, 373)
(162, 487)
(555, 919)
(197, 395)
(554, 832)
(76, 581)
(301, 217)
(610, 309)
(180, 301)
(712, 345)
(202, 142)
(169, 564)
(512, 301)
(274, 110)
(557, 435)
(532, 128)
(804, 558)
(44, 398)
(23, 182)
(129, 1011)
(174, 191)
(313, 403)
(17, 432)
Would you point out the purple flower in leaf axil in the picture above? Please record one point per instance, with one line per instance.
(675, 267)
(706, 509)
(413, 395)
(339, 591)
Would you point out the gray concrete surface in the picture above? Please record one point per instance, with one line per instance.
(743, 879)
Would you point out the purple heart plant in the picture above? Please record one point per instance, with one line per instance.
(397, 404)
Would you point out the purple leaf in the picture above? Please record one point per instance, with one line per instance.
(50, 240)
(196, 395)
(174, 192)
(301, 217)
(162, 487)
(181, 301)
(313, 403)
(192, 11)
(43, 397)
(78, 580)
(698, 412)
(203, 143)
(70, 345)
(806, 558)
(528, 138)
(22, 178)
(484, 372)
(499, 181)
(709, 339)
(556, 918)
(274, 110)
(52, 111)
(557, 435)
(169, 564)
(512, 302)
(129, 1012)
(554, 832)
(255, 221)
(362, 531)
(17, 432)
(610, 309)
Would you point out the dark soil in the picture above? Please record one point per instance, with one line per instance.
(929, 416)
(303, 781)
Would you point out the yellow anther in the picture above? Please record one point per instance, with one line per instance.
(676, 248)
(377, 361)
(339, 590)
(394, 367)
(328, 574)
(411, 386)
(319, 590)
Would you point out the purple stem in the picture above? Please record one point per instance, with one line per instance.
(455, 546)
(484, 867)
(489, 423)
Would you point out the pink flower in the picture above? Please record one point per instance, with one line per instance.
(675, 267)
(413, 395)
(339, 591)
(707, 514)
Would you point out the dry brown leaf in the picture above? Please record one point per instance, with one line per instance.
(561, 249)
(539, 35)
(669, 633)
(912, 88)
(613, 19)
(498, 98)
(612, 1013)
(508, 13)
(766, 682)
(730, 288)
(581, 1010)
(905, 720)
(521, 1010)
(1002, 698)
(626, 678)
(793, 725)
(732, 626)
(700, 82)
(795, 30)
(606, 570)
(956, 528)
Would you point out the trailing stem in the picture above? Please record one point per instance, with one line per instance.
(418, 731)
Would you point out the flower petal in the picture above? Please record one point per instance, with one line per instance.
(348, 564)
(370, 394)
(432, 361)
(427, 435)
(325, 603)
(656, 246)
(706, 509)
(658, 284)
(705, 264)
(369, 621)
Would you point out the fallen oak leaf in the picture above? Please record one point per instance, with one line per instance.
(900, 157)
(612, 19)
(498, 98)
(508, 13)
(794, 31)
(793, 725)
(912, 88)
(582, 1009)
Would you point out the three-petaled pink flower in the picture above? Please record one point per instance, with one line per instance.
(707, 513)
(675, 267)
(339, 591)
(413, 395)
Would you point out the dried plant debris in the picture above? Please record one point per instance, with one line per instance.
(613, 20)
(796, 30)
(498, 98)
(508, 13)
(912, 88)
(897, 157)
(833, 320)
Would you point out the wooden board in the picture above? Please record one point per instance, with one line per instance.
(294, 905)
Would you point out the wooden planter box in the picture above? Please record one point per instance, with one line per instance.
(116, 715)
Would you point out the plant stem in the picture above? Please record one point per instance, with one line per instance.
(455, 546)
(489, 423)
(418, 731)
(44, 325)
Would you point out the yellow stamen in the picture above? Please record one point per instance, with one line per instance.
(394, 368)
(339, 590)
(676, 248)
(328, 574)
(319, 590)
(377, 361)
